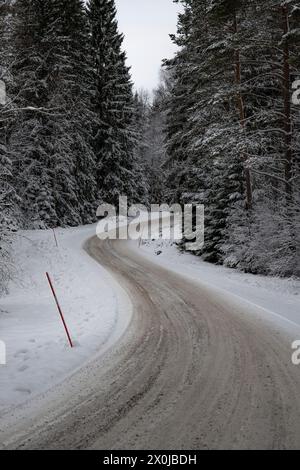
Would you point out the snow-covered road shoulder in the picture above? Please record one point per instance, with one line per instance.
(38, 354)
(279, 298)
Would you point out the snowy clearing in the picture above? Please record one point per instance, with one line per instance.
(38, 353)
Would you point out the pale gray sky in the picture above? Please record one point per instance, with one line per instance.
(147, 25)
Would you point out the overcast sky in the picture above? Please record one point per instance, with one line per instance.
(147, 25)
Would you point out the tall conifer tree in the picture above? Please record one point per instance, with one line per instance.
(119, 172)
(50, 138)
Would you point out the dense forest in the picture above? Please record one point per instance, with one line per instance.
(232, 129)
(221, 129)
(67, 128)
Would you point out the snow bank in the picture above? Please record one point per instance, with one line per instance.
(280, 297)
(38, 354)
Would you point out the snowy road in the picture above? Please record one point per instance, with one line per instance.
(193, 370)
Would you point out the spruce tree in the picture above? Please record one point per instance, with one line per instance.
(8, 196)
(233, 137)
(74, 92)
(149, 125)
(181, 100)
(119, 171)
(50, 138)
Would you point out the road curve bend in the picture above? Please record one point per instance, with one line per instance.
(192, 371)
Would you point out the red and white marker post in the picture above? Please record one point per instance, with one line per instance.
(60, 310)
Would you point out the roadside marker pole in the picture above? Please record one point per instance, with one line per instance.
(56, 242)
(59, 309)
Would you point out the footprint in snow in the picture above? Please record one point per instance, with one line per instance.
(21, 352)
(26, 391)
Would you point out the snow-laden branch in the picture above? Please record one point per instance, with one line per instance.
(47, 111)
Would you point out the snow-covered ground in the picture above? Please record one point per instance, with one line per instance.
(96, 311)
(279, 297)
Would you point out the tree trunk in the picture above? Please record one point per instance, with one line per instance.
(287, 103)
(241, 109)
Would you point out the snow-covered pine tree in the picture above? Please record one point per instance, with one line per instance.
(8, 197)
(238, 137)
(180, 102)
(8, 217)
(158, 120)
(119, 172)
(272, 244)
(141, 119)
(155, 139)
(74, 90)
(27, 146)
(150, 123)
(50, 138)
(209, 171)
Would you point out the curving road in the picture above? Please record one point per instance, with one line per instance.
(192, 371)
